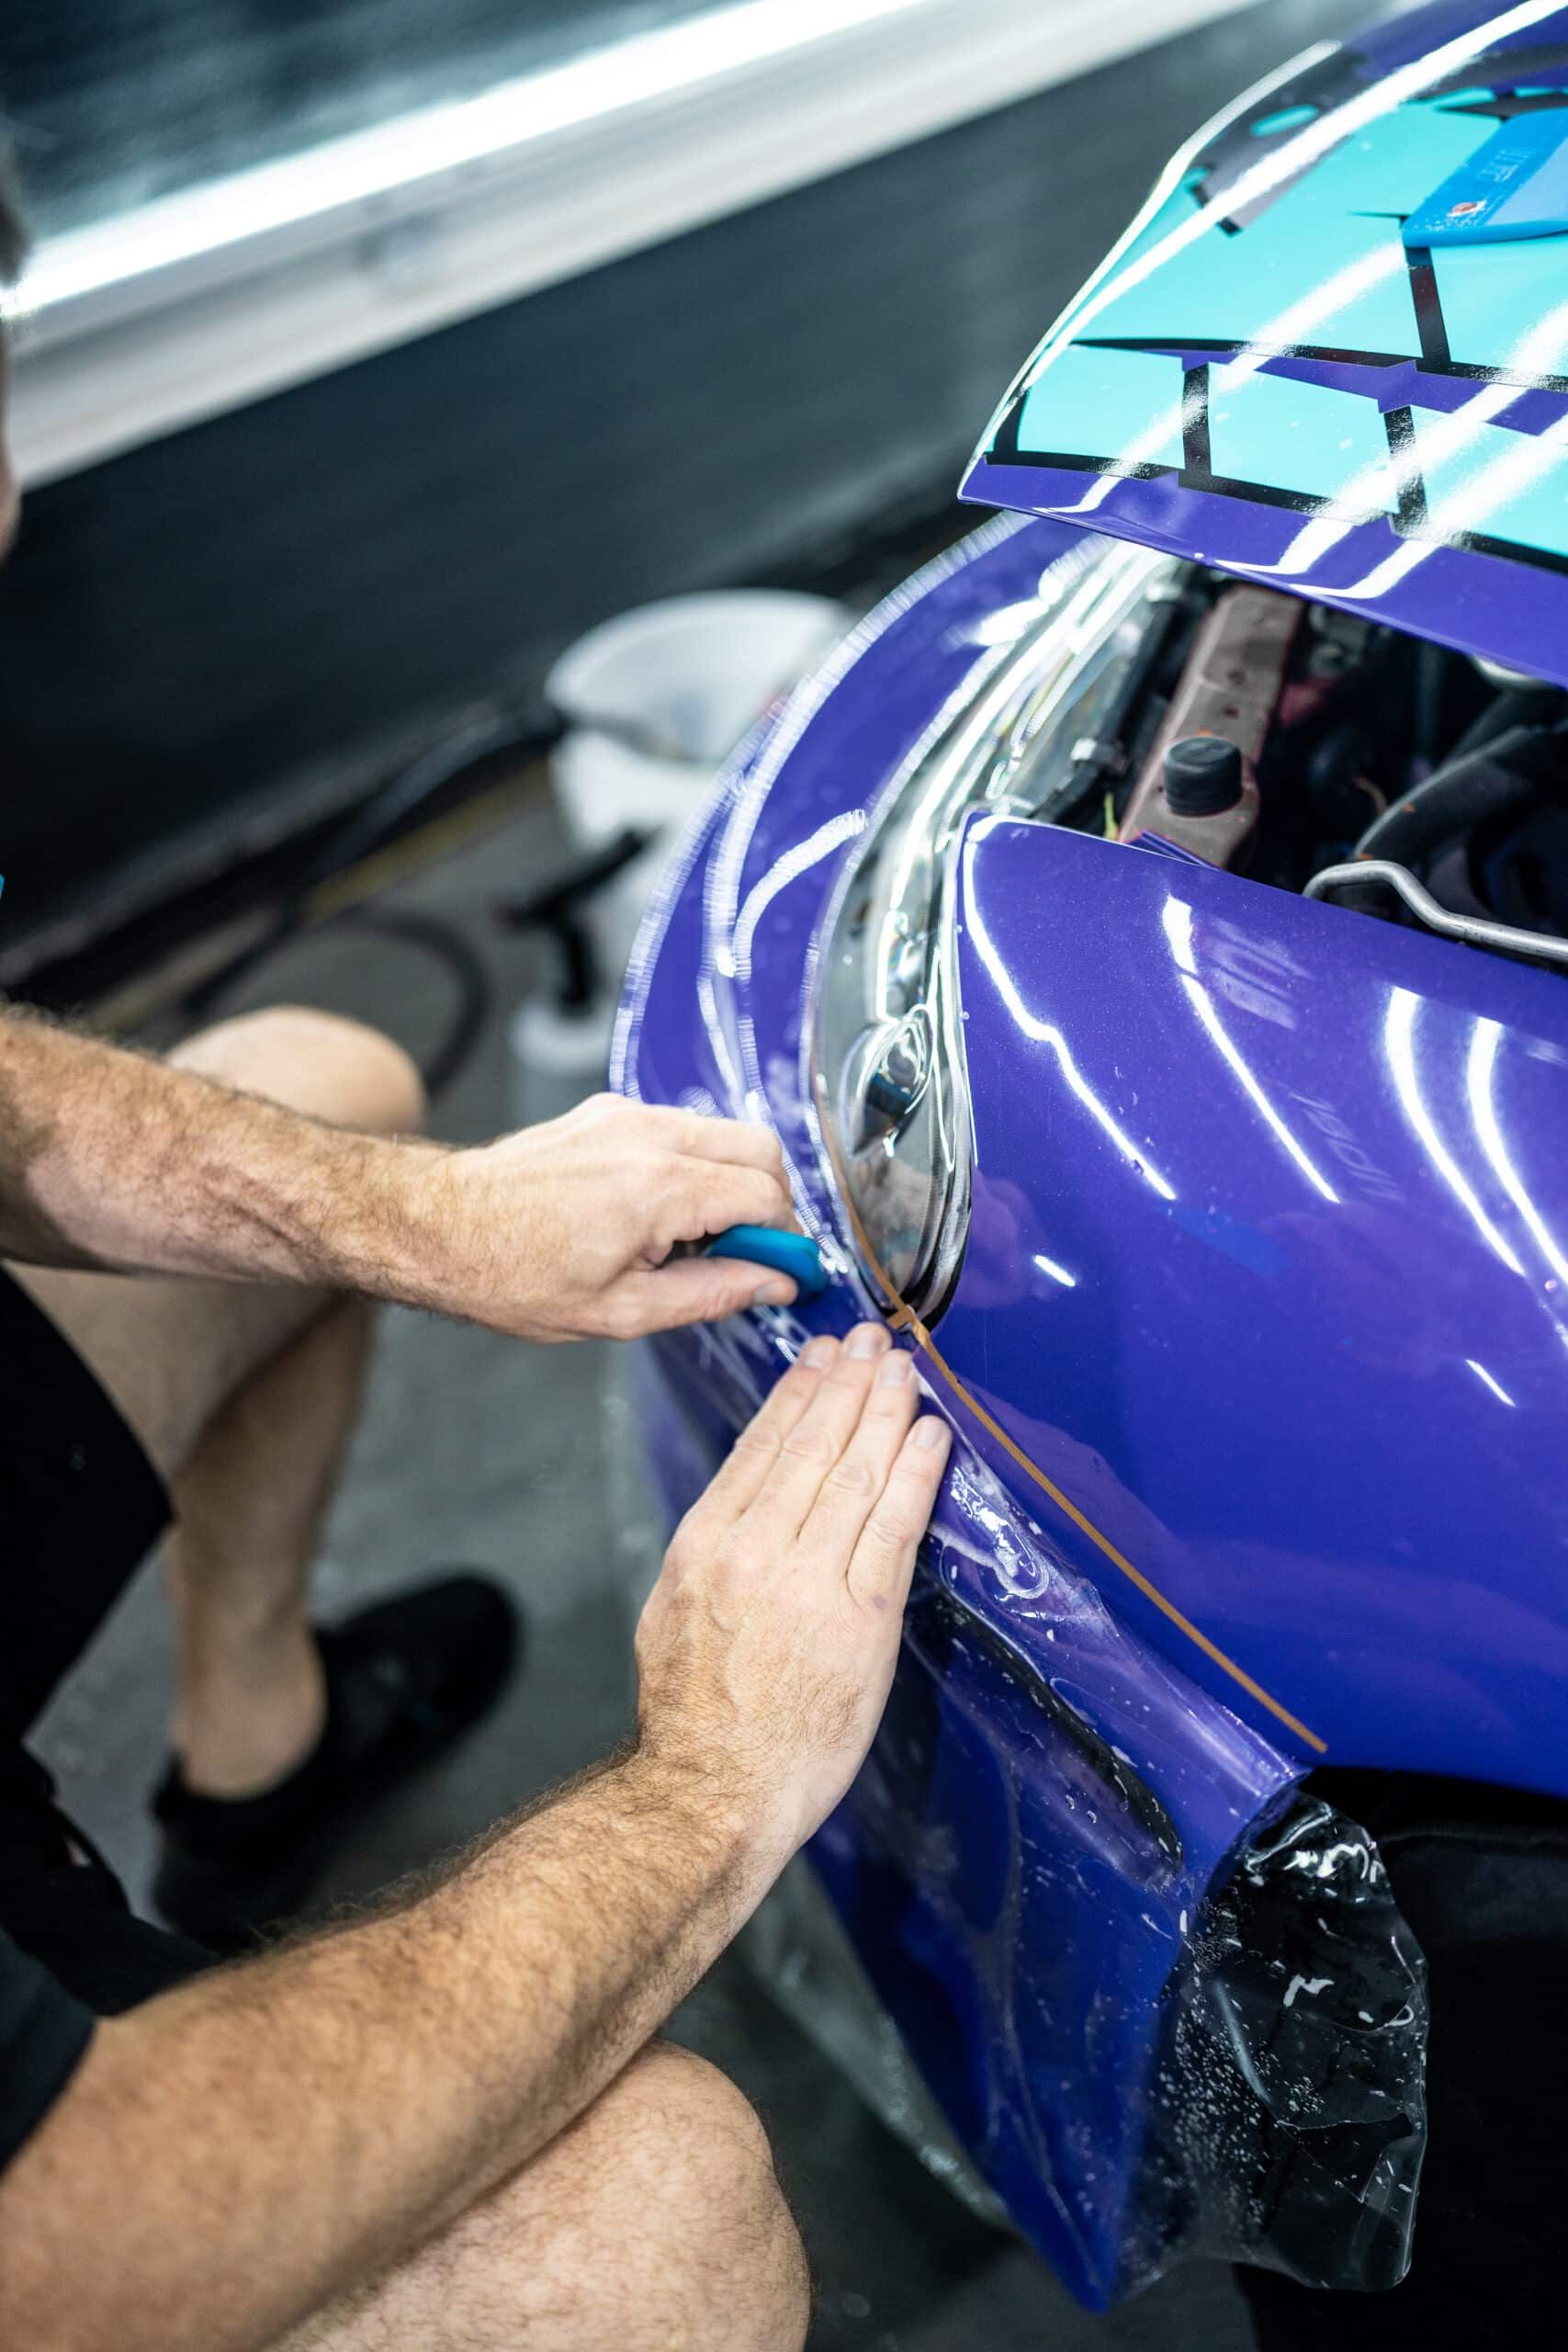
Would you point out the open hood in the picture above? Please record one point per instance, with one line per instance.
(1332, 352)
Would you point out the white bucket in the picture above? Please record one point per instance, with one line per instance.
(697, 671)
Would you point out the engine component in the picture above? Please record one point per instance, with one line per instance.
(1204, 776)
(1501, 937)
(1229, 689)
(1501, 775)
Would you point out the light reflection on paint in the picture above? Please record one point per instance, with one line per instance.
(735, 960)
(1058, 1274)
(1473, 505)
(1045, 1032)
(1399, 1033)
(1178, 921)
(1007, 623)
(1485, 1378)
(1480, 1073)
(1443, 437)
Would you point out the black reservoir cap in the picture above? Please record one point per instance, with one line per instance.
(1203, 777)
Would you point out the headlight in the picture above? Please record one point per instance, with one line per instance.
(889, 1070)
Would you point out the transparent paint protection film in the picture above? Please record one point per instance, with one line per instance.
(889, 1064)
(1152, 2048)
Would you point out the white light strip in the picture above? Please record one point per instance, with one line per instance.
(413, 149)
(1204, 1006)
(1399, 1035)
(1058, 1274)
(1479, 1076)
(1047, 1033)
(201, 301)
(1177, 918)
(1482, 1375)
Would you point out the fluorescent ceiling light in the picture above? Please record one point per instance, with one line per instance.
(405, 155)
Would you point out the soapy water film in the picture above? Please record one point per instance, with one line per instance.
(1108, 1968)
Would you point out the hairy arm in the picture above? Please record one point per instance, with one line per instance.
(111, 1159)
(230, 2157)
(233, 2156)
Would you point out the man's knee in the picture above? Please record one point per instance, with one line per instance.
(690, 2240)
(655, 2219)
(705, 2219)
(317, 1062)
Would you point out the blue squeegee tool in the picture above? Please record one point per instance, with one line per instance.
(794, 1254)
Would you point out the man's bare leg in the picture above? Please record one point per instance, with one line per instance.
(252, 1694)
(245, 1399)
(656, 2221)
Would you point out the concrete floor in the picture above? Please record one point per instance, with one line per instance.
(476, 1449)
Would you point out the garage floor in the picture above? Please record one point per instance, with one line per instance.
(475, 1449)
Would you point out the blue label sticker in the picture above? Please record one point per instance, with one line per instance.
(1515, 186)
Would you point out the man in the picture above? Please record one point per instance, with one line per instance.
(447, 2125)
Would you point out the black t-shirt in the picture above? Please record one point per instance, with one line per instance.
(44, 2033)
(80, 1506)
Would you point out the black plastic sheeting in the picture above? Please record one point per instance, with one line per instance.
(1290, 2119)
(1481, 1877)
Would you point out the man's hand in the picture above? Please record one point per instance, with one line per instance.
(565, 1230)
(237, 2153)
(562, 1232)
(767, 1646)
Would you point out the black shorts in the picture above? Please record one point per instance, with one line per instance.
(80, 1506)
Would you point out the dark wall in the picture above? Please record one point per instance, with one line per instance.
(188, 628)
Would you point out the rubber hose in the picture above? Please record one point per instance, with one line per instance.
(1515, 706)
(1504, 775)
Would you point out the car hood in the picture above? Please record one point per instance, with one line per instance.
(1265, 1286)
(1332, 351)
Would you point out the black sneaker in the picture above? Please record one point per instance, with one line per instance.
(405, 1679)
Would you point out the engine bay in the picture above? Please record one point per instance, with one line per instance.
(1291, 741)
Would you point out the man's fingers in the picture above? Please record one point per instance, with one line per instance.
(707, 1196)
(756, 1449)
(692, 1290)
(738, 1141)
(883, 1562)
(854, 1485)
(813, 1448)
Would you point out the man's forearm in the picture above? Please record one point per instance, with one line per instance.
(111, 1159)
(569, 1230)
(294, 2125)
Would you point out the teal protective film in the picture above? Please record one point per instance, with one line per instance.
(1322, 264)
(1124, 405)
(1300, 274)
(1396, 161)
(1506, 306)
(1298, 437)
(1179, 208)
(1268, 126)
(1511, 486)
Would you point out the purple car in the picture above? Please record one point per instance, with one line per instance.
(1148, 937)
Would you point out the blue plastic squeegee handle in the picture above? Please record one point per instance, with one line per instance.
(785, 1253)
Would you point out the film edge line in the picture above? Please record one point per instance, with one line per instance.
(903, 1318)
